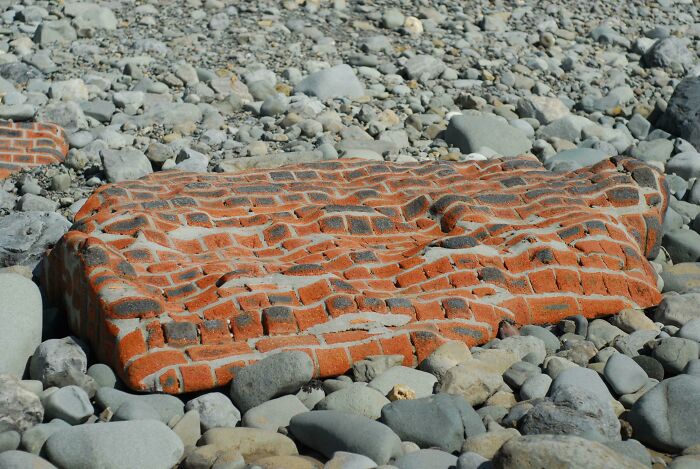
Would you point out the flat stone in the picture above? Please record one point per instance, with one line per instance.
(215, 410)
(21, 316)
(166, 406)
(145, 443)
(275, 413)
(22, 460)
(419, 381)
(573, 452)
(356, 399)
(487, 444)
(277, 374)
(328, 431)
(681, 277)
(251, 443)
(472, 132)
(345, 460)
(667, 417)
(682, 245)
(336, 82)
(135, 409)
(475, 380)
(188, 207)
(423, 458)
(575, 158)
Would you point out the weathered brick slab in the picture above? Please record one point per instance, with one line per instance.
(177, 279)
(27, 144)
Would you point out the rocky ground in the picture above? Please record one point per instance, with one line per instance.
(220, 86)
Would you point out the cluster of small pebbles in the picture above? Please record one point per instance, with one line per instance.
(222, 85)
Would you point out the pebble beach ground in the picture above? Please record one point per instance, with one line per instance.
(222, 86)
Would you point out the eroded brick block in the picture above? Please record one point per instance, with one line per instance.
(179, 279)
(27, 144)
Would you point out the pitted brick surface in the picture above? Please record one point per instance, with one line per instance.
(27, 144)
(178, 279)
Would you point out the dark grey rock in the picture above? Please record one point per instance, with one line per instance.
(443, 421)
(683, 107)
(572, 411)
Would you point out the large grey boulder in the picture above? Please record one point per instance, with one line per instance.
(667, 417)
(21, 319)
(328, 431)
(27, 235)
(471, 133)
(550, 451)
(442, 421)
(20, 409)
(280, 373)
(676, 310)
(116, 445)
(335, 82)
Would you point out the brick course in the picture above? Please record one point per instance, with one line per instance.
(26, 144)
(179, 279)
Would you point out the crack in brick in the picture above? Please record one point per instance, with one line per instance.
(177, 283)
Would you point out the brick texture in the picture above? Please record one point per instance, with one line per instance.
(26, 144)
(179, 279)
